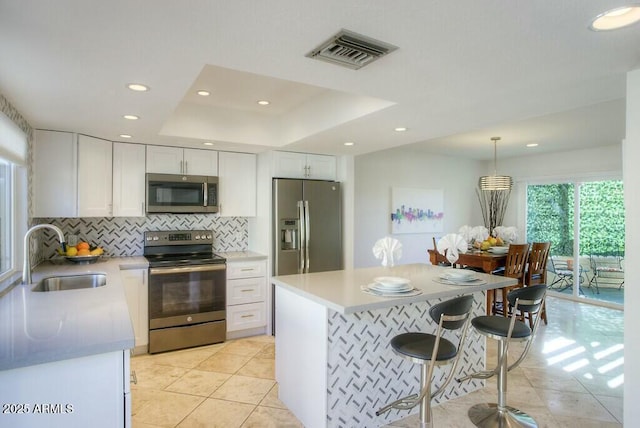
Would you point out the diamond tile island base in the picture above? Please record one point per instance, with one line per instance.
(572, 378)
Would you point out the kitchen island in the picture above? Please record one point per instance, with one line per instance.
(64, 355)
(334, 365)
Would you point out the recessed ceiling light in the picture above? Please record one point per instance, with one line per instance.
(264, 102)
(349, 143)
(208, 144)
(400, 129)
(203, 93)
(125, 136)
(532, 145)
(131, 117)
(619, 17)
(138, 87)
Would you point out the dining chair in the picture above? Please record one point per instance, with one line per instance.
(515, 266)
(536, 272)
(435, 248)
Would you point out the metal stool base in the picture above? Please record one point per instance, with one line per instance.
(487, 415)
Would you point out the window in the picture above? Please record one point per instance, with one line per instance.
(6, 217)
(595, 235)
(13, 196)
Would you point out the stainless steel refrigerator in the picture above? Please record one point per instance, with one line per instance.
(307, 230)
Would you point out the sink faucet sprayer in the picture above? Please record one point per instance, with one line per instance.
(26, 267)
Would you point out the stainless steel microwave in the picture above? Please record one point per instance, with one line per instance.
(174, 193)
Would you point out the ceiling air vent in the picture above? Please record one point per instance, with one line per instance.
(351, 50)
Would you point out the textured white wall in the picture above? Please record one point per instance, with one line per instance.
(377, 173)
(631, 151)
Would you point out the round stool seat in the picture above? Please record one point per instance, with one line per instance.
(499, 326)
(420, 346)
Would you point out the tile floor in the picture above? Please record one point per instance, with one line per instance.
(573, 377)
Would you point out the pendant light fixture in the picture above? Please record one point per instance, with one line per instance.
(495, 181)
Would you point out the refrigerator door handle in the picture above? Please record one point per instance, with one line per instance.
(307, 235)
(301, 235)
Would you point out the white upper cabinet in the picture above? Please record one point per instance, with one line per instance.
(73, 175)
(94, 177)
(128, 180)
(55, 174)
(176, 160)
(200, 162)
(303, 165)
(164, 159)
(237, 184)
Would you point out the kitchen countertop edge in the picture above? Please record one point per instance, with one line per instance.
(340, 290)
(241, 256)
(94, 321)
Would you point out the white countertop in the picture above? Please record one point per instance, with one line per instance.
(41, 327)
(340, 290)
(236, 256)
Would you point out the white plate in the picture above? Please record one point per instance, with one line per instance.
(475, 281)
(386, 293)
(499, 250)
(381, 288)
(458, 275)
(391, 282)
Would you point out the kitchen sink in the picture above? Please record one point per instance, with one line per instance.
(71, 282)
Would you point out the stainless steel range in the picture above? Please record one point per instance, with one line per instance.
(187, 290)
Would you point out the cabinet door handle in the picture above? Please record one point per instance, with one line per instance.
(247, 269)
(247, 290)
(247, 316)
(186, 167)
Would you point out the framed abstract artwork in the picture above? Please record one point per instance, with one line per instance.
(416, 210)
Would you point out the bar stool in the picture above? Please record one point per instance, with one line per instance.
(430, 350)
(527, 300)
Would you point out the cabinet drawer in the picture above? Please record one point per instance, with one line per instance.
(242, 317)
(246, 290)
(246, 269)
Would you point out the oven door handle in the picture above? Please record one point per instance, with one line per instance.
(186, 269)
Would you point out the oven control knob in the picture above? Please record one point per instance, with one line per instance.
(189, 319)
(155, 238)
(208, 236)
(197, 237)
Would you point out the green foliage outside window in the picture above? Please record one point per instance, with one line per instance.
(550, 217)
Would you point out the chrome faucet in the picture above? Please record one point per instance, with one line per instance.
(26, 267)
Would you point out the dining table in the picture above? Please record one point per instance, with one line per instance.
(486, 261)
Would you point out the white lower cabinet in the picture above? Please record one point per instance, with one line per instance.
(246, 295)
(137, 296)
(90, 391)
(243, 317)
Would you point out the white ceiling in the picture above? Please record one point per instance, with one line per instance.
(464, 71)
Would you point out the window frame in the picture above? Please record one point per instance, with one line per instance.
(18, 199)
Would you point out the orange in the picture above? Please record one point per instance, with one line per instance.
(82, 246)
(84, 252)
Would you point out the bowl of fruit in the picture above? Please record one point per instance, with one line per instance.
(82, 252)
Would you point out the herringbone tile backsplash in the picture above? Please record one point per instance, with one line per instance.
(123, 236)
